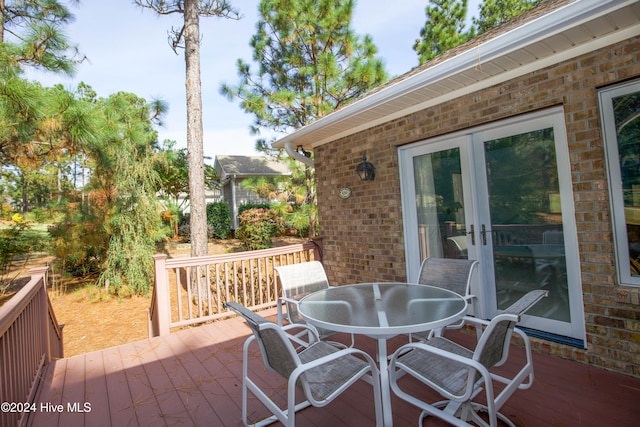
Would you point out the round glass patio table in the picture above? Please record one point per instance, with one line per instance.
(381, 311)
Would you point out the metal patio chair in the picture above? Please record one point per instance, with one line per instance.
(451, 274)
(321, 371)
(298, 281)
(460, 374)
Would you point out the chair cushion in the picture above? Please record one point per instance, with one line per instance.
(329, 377)
(441, 371)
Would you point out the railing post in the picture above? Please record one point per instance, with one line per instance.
(317, 251)
(40, 273)
(161, 311)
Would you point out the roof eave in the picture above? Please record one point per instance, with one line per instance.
(561, 19)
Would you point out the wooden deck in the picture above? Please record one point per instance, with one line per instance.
(193, 378)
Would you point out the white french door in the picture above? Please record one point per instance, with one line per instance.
(500, 194)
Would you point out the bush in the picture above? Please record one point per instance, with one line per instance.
(78, 243)
(258, 227)
(184, 231)
(171, 217)
(7, 210)
(39, 215)
(249, 206)
(13, 243)
(219, 219)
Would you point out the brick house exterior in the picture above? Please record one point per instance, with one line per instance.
(363, 235)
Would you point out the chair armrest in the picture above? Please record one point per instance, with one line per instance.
(293, 326)
(282, 301)
(475, 321)
(369, 366)
(338, 354)
(465, 361)
(295, 332)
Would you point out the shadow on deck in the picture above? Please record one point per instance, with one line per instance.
(193, 378)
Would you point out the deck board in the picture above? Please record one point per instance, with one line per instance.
(193, 378)
(96, 389)
(74, 388)
(119, 400)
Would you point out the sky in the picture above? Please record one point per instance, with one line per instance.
(127, 50)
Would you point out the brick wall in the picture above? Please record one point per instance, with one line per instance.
(363, 235)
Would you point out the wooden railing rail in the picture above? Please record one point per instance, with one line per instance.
(30, 337)
(190, 291)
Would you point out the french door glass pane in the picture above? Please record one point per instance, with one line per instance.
(439, 204)
(626, 110)
(526, 221)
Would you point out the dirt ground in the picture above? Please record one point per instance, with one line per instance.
(94, 320)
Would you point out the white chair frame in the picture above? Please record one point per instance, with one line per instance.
(459, 407)
(306, 277)
(296, 379)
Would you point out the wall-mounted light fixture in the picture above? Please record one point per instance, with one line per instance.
(366, 171)
(301, 150)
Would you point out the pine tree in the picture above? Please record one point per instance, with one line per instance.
(125, 172)
(309, 62)
(32, 32)
(496, 12)
(188, 37)
(443, 30)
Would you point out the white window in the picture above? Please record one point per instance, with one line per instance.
(620, 113)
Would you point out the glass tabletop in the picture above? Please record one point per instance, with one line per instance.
(378, 309)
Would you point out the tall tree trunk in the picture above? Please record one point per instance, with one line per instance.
(2, 3)
(198, 216)
(59, 183)
(25, 197)
(2, 20)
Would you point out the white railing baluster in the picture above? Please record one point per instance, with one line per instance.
(246, 277)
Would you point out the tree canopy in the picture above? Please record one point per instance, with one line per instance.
(496, 12)
(32, 31)
(445, 26)
(308, 63)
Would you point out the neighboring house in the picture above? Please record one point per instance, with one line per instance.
(211, 196)
(233, 170)
(518, 149)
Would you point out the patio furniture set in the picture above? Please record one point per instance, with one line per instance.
(303, 352)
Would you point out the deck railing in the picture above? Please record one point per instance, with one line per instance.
(189, 291)
(30, 337)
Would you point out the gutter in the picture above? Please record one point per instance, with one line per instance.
(288, 147)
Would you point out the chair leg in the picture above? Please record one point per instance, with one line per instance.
(286, 417)
(477, 407)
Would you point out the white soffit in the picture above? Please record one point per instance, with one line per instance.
(572, 30)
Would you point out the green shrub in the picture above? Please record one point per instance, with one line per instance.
(13, 242)
(219, 217)
(171, 217)
(258, 227)
(184, 231)
(38, 215)
(299, 221)
(296, 217)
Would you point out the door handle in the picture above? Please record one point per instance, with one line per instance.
(473, 236)
(483, 232)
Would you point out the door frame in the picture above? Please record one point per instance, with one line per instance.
(471, 145)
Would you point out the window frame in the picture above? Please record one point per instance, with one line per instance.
(614, 176)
